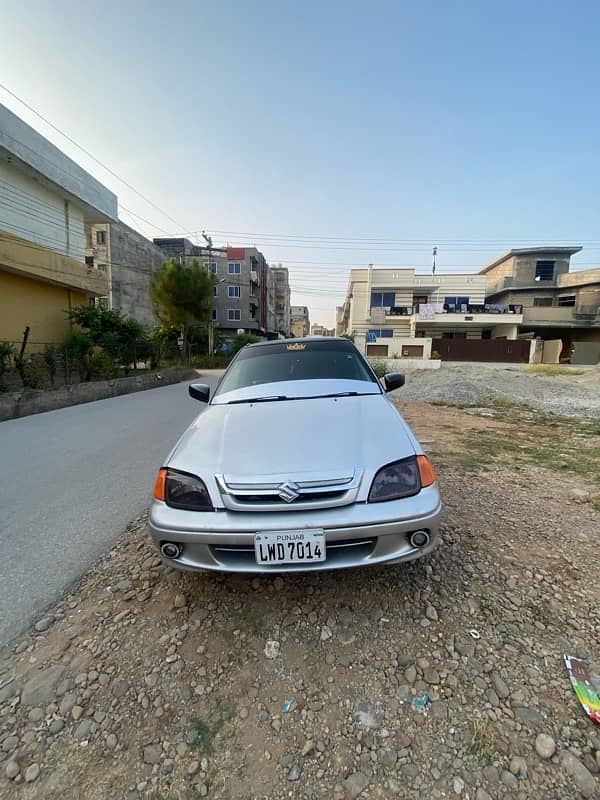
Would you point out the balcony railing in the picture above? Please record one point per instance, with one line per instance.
(446, 308)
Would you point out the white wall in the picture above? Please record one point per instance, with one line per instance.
(32, 212)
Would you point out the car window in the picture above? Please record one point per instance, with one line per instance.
(295, 362)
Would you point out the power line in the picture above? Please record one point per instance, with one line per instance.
(90, 155)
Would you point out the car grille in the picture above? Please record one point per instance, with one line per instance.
(342, 551)
(322, 491)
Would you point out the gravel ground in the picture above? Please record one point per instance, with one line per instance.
(439, 679)
(577, 395)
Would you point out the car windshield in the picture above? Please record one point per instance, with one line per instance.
(298, 361)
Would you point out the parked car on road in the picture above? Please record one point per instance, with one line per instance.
(299, 462)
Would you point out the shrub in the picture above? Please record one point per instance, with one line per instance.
(379, 367)
(77, 348)
(33, 376)
(102, 366)
(241, 340)
(6, 353)
(211, 362)
(435, 355)
(51, 361)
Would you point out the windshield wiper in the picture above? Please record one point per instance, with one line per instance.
(343, 394)
(270, 399)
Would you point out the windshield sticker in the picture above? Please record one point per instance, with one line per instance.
(297, 346)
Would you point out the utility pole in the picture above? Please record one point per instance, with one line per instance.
(434, 254)
(208, 240)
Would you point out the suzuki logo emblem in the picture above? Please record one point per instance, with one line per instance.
(288, 491)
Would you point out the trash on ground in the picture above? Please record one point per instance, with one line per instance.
(581, 682)
(287, 704)
(474, 634)
(272, 648)
(421, 702)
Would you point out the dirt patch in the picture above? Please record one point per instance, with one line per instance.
(426, 680)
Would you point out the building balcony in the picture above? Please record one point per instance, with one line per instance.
(435, 310)
(562, 316)
(34, 261)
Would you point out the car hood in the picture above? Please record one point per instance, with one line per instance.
(291, 439)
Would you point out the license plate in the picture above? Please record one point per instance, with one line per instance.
(289, 547)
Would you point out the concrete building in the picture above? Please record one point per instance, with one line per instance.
(282, 300)
(178, 248)
(557, 304)
(130, 260)
(46, 203)
(241, 291)
(397, 313)
(321, 330)
(300, 321)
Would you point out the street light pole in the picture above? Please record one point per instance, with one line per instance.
(208, 240)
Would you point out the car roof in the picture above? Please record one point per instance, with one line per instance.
(299, 339)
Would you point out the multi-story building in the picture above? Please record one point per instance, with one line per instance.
(178, 248)
(46, 203)
(390, 312)
(241, 291)
(321, 330)
(130, 260)
(557, 304)
(300, 321)
(282, 300)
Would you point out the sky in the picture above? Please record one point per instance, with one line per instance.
(329, 135)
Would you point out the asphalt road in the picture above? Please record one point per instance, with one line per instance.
(70, 481)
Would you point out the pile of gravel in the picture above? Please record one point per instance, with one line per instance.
(472, 384)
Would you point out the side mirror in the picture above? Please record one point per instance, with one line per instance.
(200, 391)
(393, 380)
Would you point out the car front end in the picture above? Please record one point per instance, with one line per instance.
(303, 474)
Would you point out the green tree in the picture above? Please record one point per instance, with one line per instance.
(122, 340)
(182, 295)
(241, 340)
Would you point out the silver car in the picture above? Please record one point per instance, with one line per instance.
(299, 462)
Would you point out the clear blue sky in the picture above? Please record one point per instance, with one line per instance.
(430, 121)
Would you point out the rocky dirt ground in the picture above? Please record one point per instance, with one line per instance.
(442, 678)
(574, 394)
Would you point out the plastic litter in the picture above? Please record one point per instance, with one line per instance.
(474, 634)
(287, 704)
(421, 702)
(581, 682)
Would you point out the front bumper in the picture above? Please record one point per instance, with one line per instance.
(356, 535)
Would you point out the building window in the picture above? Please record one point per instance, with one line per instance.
(456, 303)
(379, 333)
(454, 335)
(233, 291)
(542, 301)
(234, 267)
(383, 299)
(100, 237)
(215, 291)
(566, 300)
(102, 267)
(212, 267)
(214, 314)
(89, 260)
(234, 314)
(544, 270)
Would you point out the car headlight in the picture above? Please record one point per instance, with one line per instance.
(182, 490)
(401, 479)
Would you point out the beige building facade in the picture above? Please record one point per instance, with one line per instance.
(390, 312)
(300, 321)
(557, 304)
(49, 201)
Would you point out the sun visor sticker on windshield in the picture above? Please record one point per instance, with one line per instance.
(296, 346)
